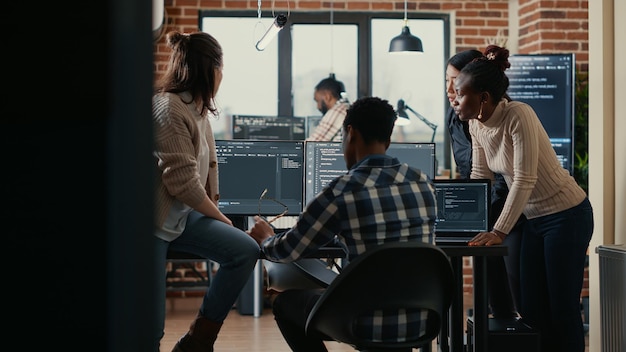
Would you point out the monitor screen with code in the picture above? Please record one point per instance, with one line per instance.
(324, 162)
(248, 167)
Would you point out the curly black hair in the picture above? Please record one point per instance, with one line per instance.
(373, 117)
(486, 73)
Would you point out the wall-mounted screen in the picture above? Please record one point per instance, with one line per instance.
(547, 83)
(248, 167)
(324, 162)
(269, 127)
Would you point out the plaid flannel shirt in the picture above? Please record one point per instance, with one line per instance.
(378, 200)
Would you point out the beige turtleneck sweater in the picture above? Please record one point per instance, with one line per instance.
(513, 142)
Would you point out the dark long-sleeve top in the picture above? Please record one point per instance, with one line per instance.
(461, 142)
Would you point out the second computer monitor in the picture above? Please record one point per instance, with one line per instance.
(248, 167)
(324, 162)
(269, 127)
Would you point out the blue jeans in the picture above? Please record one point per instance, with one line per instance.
(233, 249)
(552, 264)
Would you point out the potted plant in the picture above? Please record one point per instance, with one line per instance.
(581, 130)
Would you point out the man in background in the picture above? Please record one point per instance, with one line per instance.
(331, 102)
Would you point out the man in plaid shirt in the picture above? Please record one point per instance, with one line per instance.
(380, 199)
(330, 97)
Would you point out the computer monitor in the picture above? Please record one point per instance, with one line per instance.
(268, 127)
(248, 167)
(324, 162)
(462, 209)
(547, 83)
(311, 124)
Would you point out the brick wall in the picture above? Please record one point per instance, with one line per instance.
(543, 28)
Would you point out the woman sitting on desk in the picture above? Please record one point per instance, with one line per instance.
(508, 138)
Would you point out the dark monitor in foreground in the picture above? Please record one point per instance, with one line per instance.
(324, 162)
(248, 167)
(268, 127)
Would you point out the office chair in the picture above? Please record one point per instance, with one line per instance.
(412, 276)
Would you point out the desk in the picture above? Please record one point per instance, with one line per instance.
(454, 327)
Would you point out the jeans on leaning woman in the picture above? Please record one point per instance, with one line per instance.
(553, 255)
(233, 249)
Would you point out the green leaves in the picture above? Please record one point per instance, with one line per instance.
(581, 130)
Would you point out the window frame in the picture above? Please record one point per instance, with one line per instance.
(363, 22)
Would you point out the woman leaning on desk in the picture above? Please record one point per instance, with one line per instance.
(508, 138)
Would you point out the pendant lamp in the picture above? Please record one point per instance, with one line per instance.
(406, 42)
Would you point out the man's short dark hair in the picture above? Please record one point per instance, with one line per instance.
(373, 117)
(332, 85)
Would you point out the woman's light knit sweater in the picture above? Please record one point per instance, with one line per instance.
(177, 140)
(513, 142)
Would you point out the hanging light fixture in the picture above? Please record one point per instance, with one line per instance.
(332, 42)
(406, 42)
(272, 31)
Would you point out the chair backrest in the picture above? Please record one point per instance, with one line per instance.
(399, 276)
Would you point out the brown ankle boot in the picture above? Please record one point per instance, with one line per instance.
(200, 337)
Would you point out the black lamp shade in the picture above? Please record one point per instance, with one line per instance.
(405, 42)
(403, 118)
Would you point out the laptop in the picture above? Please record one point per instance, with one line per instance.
(462, 209)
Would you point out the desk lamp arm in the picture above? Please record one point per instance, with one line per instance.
(424, 120)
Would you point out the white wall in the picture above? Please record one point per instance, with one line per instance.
(607, 145)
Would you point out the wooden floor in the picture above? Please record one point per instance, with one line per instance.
(239, 332)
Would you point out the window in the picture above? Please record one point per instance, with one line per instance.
(279, 81)
(318, 51)
(419, 79)
(250, 84)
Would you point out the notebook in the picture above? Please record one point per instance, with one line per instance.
(462, 209)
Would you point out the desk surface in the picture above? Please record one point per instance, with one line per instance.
(451, 251)
(475, 251)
